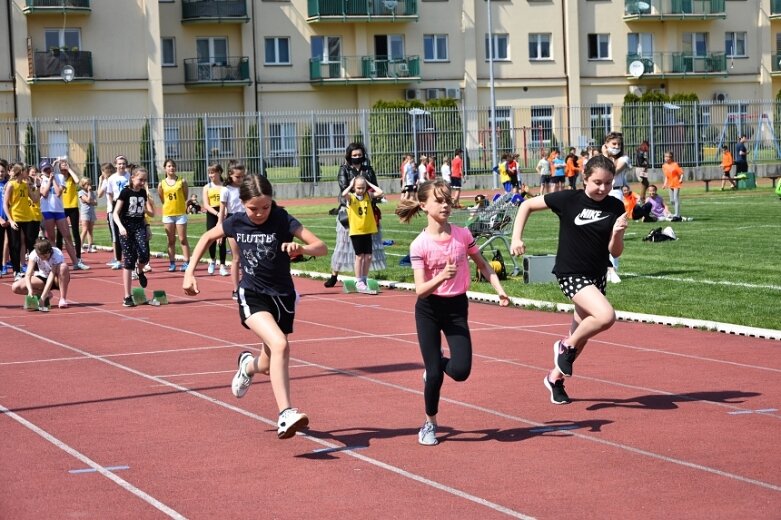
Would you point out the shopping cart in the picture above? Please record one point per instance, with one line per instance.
(490, 223)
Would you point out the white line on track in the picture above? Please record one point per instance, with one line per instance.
(124, 484)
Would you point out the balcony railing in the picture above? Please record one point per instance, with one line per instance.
(362, 10)
(365, 69)
(639, 10)
(233, 71)
(48, 65)
(214, 11)
(679, 63)
(56, 6)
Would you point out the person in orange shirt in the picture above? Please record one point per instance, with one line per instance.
(572, 168)
(634, 209)
(726, 167)
(673, 178)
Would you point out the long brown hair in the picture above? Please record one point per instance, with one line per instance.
(408, 208)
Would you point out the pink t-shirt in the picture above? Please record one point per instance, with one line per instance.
(431, 255)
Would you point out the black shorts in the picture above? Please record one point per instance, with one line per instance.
(281, 308)
(741, 167)
(455, 183)
(362, 244)
(558, 179)
(409, 188)
(571, 284)
(55, 285)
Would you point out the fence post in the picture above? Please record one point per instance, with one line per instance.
(696, 107)
(651, 134)
(259, 123)
(94, 175)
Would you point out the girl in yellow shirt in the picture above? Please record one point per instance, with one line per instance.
(19, 193)
(211, 205)
(173, 192)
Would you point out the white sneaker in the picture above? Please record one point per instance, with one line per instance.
(147, 268)
(241, 380)
(134, 275)
(427, 436)
(116, 265)
(63, 304)
(224, 271)
(93, 249)
(612, 276)
(290, 421)
(81, 266)
(210, 269)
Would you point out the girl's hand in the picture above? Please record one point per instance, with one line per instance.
(13, 224)
(450, 269)
(517, 247)
(189, 284)
(122, 231)
(504, 300)
(621, 224)
(292, 248)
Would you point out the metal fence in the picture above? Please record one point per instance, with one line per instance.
(309, 146)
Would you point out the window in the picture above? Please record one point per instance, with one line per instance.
(435, 47)
(212, 50)
(219, 140)
(282, 138)
(172, 141)
(640, 45)
(501, 44)
(327, 48)
(539, 46)
(168, 46)
(277, 51)
(695, 44)
(599, 46)
(62, 38)
(389, 46)
(735, 44)
(601, 122)
(542, 125)
(331, 136)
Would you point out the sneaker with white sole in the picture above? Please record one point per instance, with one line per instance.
(63, 303)
(612, 276)
(147, 268)
(171, 267)
(134, 275)
(290, 421)
(80, 266)
(564, 357)
(557, 393)
(224, 271)
(210, 269)
(93, 249)
(116, 265)
(427, 436)
(241, 380)
(184, 266)
(128, 302)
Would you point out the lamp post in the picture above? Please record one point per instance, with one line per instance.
(68, 73)
(415, 112)
(494, 162)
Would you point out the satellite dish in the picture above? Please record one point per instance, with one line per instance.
(68, 73)
(390, 5)
(643, 7)
(636, 69)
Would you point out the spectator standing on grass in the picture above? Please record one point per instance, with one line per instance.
(52, 186)
(106, 171)
(741, 156)
(20, 190)
(4, 236)
(88, 200)
(114, 186)
(356, 163)
(130, 208)
(726, 168)
(230, 204)
(673, 179)
(440, 262)
(591, 229)
(70, 203)
(46, 271)
(174, 192)
(265, 234)
(359, 197)
(457, 177)
(613, 149)
(445, 170)
(572, 169)
(544, 170)
(641, 167)
(211, 205)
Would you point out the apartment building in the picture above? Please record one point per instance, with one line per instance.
(165, 57)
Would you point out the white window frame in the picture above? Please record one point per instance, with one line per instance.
(537, 42)
(325, 43)
(640, 44)
(283, 144)
(212, 57)
(62, 35)
(601, 39)
(541, 114)
(331, 136)
(164, 63)
(222, 141)
(435, 40)
(734, 40)
(693, 42)
(601, 116)
(497, 38)
(171, 136)
(275, 41)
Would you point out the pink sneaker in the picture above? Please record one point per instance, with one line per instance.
(63, 303)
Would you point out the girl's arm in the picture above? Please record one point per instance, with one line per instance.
(149, 209)
(424, 288)
(117, 210)
(47, 287)
(9, 191)
(160, 191)
(377, 193)
(223, 211)
(312, 245)
(349, 187)
(102, 185)
(85, 198)
(28, 276)
(529, 206)
(189, 284)
(205, 199)
(185, 189)
(616, 245)
(490, 275)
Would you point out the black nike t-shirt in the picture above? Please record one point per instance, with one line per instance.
(585, 229)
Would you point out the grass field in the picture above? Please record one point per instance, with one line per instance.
(724, 266)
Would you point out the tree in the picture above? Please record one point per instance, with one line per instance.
(148, 152)
(306, 158)
(200, 152)
(31, 155)
(91, 166)
(252, 151)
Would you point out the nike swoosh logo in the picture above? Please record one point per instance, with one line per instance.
(580, 222)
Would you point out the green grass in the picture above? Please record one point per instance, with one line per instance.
(724, 267)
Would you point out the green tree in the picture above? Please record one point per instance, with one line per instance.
(307, 175)
(31, 155)
(252, 151)
(147, 153)
(91, 167)
(200, 153)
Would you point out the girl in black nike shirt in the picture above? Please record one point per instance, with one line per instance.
(264, 234)
(591, 227)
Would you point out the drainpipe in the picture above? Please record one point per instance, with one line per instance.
(9, 31)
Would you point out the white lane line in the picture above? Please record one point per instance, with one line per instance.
(272, 422)
(124, 484)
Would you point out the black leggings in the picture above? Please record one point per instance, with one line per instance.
(72, 215)
(211, 221)
(433, 315)
(134, 246)
(30, 230)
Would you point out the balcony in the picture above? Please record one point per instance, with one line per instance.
(214, 11)
(48, 65)
(656, 10)
(677, 64)
(56, 6)
(365, 69)
(362, 11)
(233, 71)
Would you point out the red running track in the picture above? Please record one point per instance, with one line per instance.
(108, 412)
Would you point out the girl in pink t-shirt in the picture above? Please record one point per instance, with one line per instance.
(440, 263)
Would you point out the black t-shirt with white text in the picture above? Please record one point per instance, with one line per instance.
(266, 267)
(133, 207)
(585, 230)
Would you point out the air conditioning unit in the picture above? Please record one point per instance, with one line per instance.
(432, 93)
(453, 93)
(719, 97)
(636, 90)
(411, 93)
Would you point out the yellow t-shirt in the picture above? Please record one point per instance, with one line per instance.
(361, 215)
(70, 194)
(173, 198)
(213, 192)
(19, 203)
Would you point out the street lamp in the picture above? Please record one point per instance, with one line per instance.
(68, 73)
(415, 112)
(494, 162)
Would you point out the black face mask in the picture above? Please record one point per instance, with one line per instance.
(356, 160)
